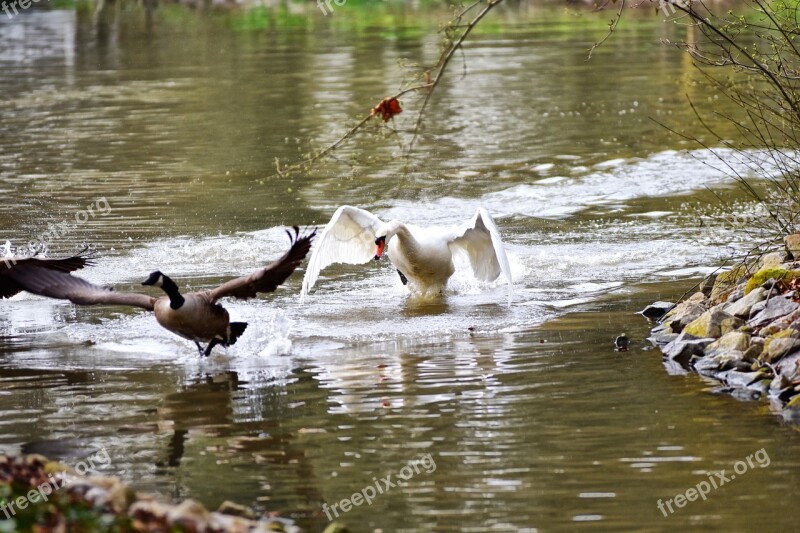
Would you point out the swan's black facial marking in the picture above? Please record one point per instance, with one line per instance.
(380, 242)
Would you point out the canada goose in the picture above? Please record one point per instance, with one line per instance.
(11, 263)
(423, 257)
(195, 316)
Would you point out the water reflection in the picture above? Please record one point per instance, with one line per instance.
(425, 306)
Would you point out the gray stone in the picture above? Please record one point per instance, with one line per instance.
(736, 295)
(188, 514)
(780, 347)
(782, 323)
(788, 365)
(793, 244)
(749, 380)
(234, 509)
(686, 312)
(707, 285)
(774, 308)
(656, 310)
(756, 347)
(732, 341)
(707, 366)
(661, 338)
(741, 308)
(685, 346)
(772, 259)
(710, 364)
(681, 321)
(731, 324)
(709, 324)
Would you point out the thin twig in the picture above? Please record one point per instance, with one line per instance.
(611, 27)
(428, 86)
(444, 61)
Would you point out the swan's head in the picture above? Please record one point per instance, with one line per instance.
(156, 279)
(383, 235)
(380, 242)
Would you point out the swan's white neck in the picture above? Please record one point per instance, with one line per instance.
(395, 228)
(407, 244)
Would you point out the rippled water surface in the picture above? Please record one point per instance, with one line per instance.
(531, 419)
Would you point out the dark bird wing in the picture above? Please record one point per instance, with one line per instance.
(65, 286)
(8, 287)
(267, 279)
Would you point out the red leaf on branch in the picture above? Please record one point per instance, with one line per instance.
(387, 108)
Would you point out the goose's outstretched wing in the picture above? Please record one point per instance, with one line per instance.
(480, 239)
(348, 238)
(267, 279)
(64, 286)
(9, 287)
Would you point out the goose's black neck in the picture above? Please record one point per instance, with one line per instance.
(171, 288)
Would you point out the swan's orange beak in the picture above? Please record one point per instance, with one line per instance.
(380, 242)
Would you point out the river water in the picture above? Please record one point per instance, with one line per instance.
(170, 132)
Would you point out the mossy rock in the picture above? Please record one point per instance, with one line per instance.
(766, 273)
(726, 281)
(783, 334)
(731, 324)
(709, 324)
(699, 326)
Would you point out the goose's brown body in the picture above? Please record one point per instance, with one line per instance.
(198, 319)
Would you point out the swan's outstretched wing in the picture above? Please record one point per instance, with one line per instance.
(9, 287)
(268, 278)
(480, 238)
(64, 286)
(348, 238)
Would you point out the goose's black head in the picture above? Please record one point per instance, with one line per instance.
(156, 278)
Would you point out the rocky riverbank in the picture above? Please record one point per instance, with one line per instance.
(45, 496)
(741, 328)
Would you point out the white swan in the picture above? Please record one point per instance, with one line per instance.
(422, 256)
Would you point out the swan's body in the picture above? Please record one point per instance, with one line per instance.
(422, 256)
